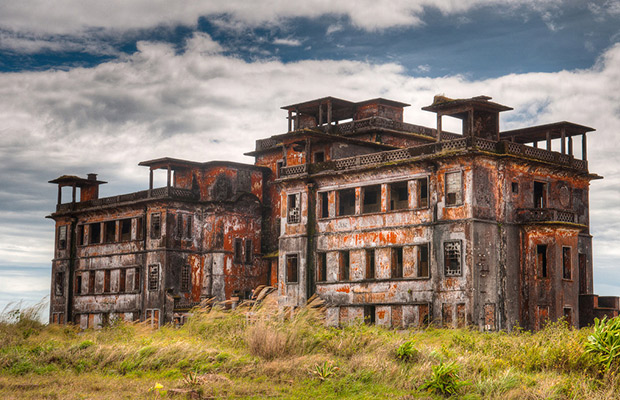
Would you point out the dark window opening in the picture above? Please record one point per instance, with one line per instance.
(540, 189)
(110, 231)
(370, 264)
(454, 187)
(185, 278)
(399, 196)
(346, 202)
(566, 263)
(139, 228)
(78, 284)
(371, 199)
(122, 280)
(189, 227)
(80, 235)
(321, 270)
(136, 280)
(125, 230)
(91, 282)
(293, 209)
(397, 262)
(369, 315)
(62, 237)
(153, 277)
(452, 258)
(238, 250)
(249, 253)
(324, 204)
(279, 166)
(292, 268)
(95, 233)
(541, 258)
(515, 187)
(180, 229)
(422, 192)
(106, 281)
(568, 316)
(59, 284)
(319, 156)
(155, 226)
(423, 270)
(344, 266)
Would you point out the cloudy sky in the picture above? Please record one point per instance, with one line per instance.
(92, 86)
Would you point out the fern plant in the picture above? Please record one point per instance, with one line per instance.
(604, 342)
(324, 371)
(444, 380)
(407, 351)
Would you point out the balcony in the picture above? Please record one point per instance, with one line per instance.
(544, 215)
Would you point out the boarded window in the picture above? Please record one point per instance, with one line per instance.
(321, 268)
(324, 204)
(344, 266)
(78, 284)
(399, 196)
(91, 282)
(95, 233)
(293, 210)
(454, 186)
(122, 280)
(185, 278)
(125, 230)
(153, 277)
(541, 260)
(155, 226)
(139, 228)
(106, 280)
(59, 284)
(566, 263)
(249, 251)
(540, 194)
(110, 231)
(371, 199)
(62, 237)
(136, 280)
(452, 258)
(422, 188)
(238, 251)
(346, 202)
(292, 268)
(423, 270)
(370, 264)
(397, 262)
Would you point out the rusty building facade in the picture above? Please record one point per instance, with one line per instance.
(390, 222)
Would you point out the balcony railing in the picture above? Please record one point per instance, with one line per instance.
(158, 193)
(531, 215)
(455, 145)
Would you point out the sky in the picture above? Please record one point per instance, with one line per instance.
(90, 86)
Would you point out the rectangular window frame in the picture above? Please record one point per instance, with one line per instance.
(155, 231)
(368, 192)
(59, 284)
(453, 253)
(422, 256)
(422, 200)
(453, 190)
(153, 277)
(397, 262)
(125, 229)
(321, 266)
(248, 252)
(371, 264)
(345, 199)
(238, 251)
(62, 237)
(323, 203)
(292, 268)
(542, 261)
(94, 233)
(186, 278)
(344, 265)
(395, 190)
(293, 208)
(567, 263)
(109, 232)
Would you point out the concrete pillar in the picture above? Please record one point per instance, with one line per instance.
(73, 193)
(329, 112)
(59, 194)
(584, 147)
(290, 120)
(535, 144)
(438, 127)
(548, 140)
(563, 136)
(320, 121)
(570, 145)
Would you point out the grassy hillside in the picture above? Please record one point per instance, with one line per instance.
(221, 354)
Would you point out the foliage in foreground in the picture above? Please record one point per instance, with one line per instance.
(604, 342)
(258, 352)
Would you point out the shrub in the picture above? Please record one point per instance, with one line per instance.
(604, 342)
(444, 380)
(324, 371)
(407, 351)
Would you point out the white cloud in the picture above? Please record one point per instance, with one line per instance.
(287, 42)
(202, 105)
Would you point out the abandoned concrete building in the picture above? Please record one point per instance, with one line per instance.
(390, 222)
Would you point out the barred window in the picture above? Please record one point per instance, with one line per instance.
(155, 226)
(153, 277)
(59, 284)
(452, 258)
(62, 237)
(293, 209)
(186, 277)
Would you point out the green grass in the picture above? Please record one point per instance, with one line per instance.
(225, 354)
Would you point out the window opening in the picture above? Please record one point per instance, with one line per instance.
(59, 284)
(369, 315)
(541, 257)
(345, 259)
(324, 203)
(321, 270)
(319, 156)
(370, 264)
(95, 233)
(346, 202)
(293, 209)
(423, 270)
(106, 281)
(189, 227)
(422, 192)
(399, 196)
(397, 262)
(80, 235)
(371, 199)
(136, 280)
(78, 284)
(139, 228)
(454, 188)
(515, 187)
(292, 268)
(452, 258)
(155, 226)
(185, 278)
(180, 229)
(125, 230)
(122, 280)
(249, 253)
(153, 277)
(91, 282)
(540, 189)
(238, 250)
(566, 263)
(110, 231)
(62, 237)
